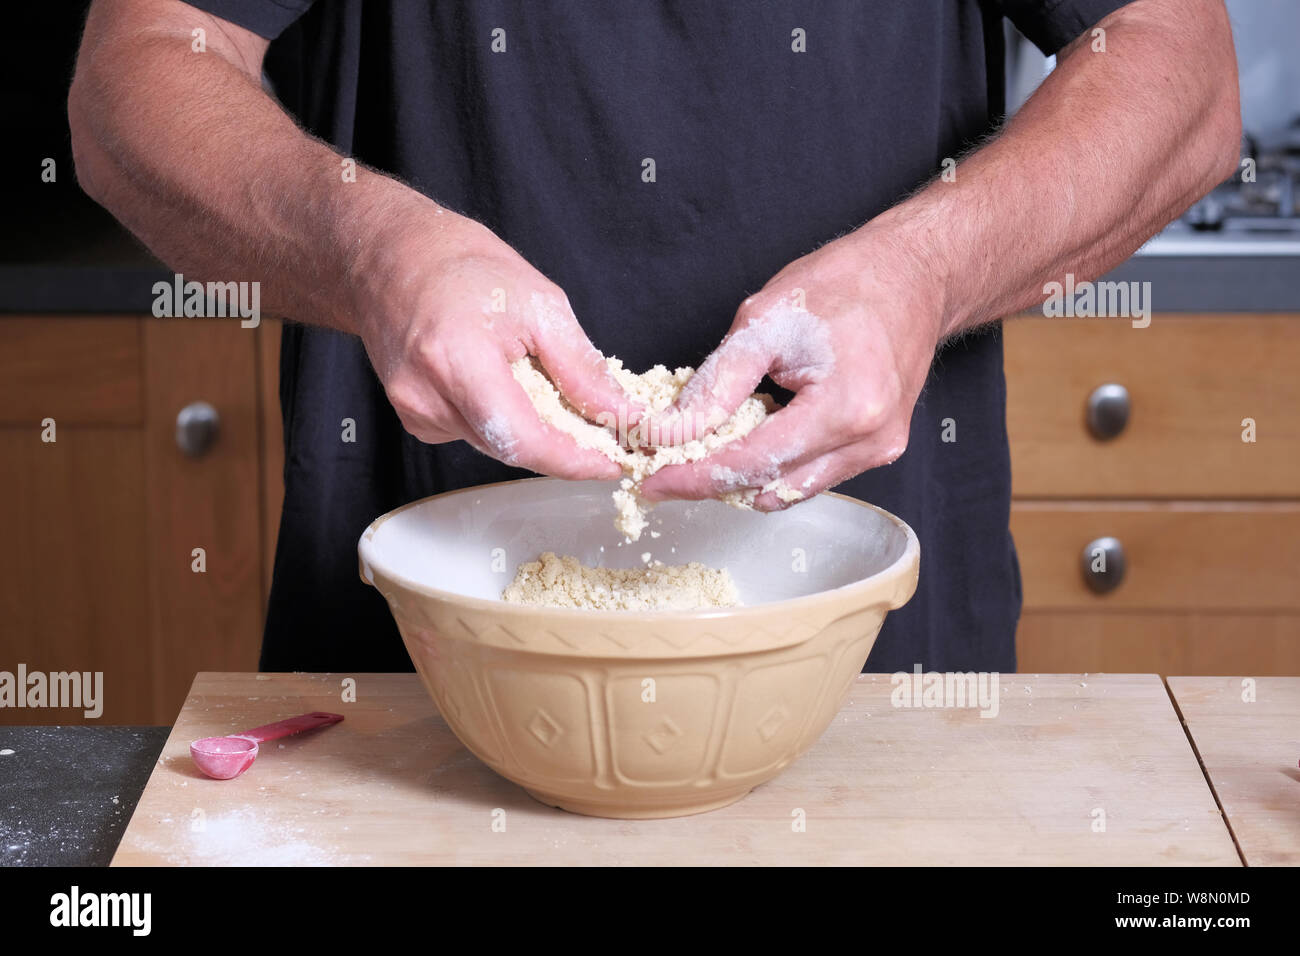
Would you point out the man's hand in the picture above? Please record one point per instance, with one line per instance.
(851, 329)
(447, 309)
(1121, 137)
(366, 255)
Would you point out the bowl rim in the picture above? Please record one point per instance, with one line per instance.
(909, 559)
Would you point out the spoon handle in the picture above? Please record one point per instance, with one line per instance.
(294, 725)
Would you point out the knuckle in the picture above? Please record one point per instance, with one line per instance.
(863, 417)
(752, 309)
(405, 401)
(549, 307)
(427, 354)
(552, 294)
(893, 444)
(871, 410)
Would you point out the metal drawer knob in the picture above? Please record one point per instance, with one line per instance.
(1108, 410)
(1103, 564)
(196, 428)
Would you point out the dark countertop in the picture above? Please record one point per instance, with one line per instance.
(67, 793)
(1185, 283)
(32, 289)
(104, 270)
(66, 254)
(1213, 282)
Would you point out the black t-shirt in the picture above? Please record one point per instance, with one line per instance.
(761, 152)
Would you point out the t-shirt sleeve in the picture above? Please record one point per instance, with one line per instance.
(1051, 24)
(266, 18)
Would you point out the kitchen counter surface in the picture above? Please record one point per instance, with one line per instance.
(1193, 275)
(66, 793)
(1247, 734)
(1072, 770)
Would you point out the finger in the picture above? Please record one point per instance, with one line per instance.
(788, 342)
(425, 414)
(499, 414)
(436, 431)
(825, 472)
(804, 482)
(576, 367)
(783, 441)
(440, 422)
(726, 378)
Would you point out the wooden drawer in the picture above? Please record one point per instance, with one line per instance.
(101, 525)
(1121, 642)
(78, 371)
(1191, 381)
(1179, 555)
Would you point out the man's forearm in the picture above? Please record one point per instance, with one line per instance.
(1113, 146)
(200, 163)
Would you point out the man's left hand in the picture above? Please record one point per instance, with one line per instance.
(851, 329)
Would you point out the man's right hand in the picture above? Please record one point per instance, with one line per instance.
(370, 256)
(446, 308)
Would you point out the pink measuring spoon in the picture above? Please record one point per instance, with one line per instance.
(227, 757)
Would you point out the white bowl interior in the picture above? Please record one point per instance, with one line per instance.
(471, 543)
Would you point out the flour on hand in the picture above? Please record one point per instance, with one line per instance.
(655, 391)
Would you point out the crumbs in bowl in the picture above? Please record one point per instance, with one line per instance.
(554, 581)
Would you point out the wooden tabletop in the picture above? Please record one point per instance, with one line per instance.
(1247, 734)
(1071, 770)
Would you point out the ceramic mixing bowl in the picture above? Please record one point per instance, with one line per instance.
(632, 714)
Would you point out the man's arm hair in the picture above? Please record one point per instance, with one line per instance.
(1108, 150)
(196, 159)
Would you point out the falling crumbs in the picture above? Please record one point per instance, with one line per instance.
(555, 581)
(655, 391)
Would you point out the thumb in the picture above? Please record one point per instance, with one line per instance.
(712, 395)
(577, 367)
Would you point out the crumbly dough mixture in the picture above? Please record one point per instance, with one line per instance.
(553, 581)
(655, 390)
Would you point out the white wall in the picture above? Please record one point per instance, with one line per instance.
(1267, 37)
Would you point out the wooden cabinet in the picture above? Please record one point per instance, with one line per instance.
(1209, 523)
(97, 573)
(106, 524)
